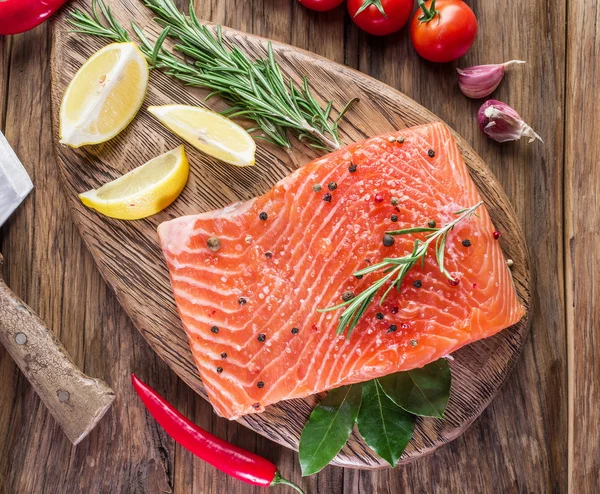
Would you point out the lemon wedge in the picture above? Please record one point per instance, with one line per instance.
(209, 132)
(104, 96)
(144, 191)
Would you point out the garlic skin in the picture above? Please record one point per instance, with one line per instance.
(481, 80)
(502, 123)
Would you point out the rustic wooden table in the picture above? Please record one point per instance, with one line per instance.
(541, 432)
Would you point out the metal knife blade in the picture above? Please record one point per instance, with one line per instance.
(15, 183)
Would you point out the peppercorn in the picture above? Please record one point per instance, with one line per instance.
(256, 405)
(327, 197)
(392, 328)
(295, 330)
(394, 218)
(431, 153)
(413, 343)
(213, 244)
(268, 255)
(219, 370)
(347, 295)
(379, 316)
(378, 198)
(388, 240)
(358, 276)
(431, 224)
(510, 263)
(394, 201)
(316, 187)
(214, 329)
(352, 168)
(262, 337)
(466, 242)
(260, 384)
(242, 301)
(417, 284)
(400, 140)
(394, 310)
(391, 139)
(453, 282)
(332, 186)
(497, 235)
(263, 216)
(223, 355)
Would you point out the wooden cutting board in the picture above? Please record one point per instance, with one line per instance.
(129, 258)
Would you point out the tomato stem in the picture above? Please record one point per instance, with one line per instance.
(377, 4)
(428, 13)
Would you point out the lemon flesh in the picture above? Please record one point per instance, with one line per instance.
(209, 132)
(144, 191)
(104, 96)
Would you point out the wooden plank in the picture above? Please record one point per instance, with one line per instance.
(516, 446)
(582, 240)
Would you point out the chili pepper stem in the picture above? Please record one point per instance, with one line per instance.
(278, 479)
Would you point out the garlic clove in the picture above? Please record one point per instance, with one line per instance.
(502, 123)
(481, 80)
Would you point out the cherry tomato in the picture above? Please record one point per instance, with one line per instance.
(380, 17)
(321, 5)
(443, 30)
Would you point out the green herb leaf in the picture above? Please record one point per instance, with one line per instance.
(384, 426)
(328, 428)
(423, 391)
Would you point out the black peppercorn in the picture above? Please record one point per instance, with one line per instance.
(262, 337)
(219, 369)
(260, 384)
(347, 295)
(213, 244)
(327, 197)
(352, 168)
(379, 316)
(268, 255)
(263, 216)
(392, 328)
(214, 329)
(223, 355)
(332, 186)
(431, 224)
(394, 218)
(242, 301)
(388, 240)
(358, 276)
(417, 284)
(431, 153)
(466, 242)
(295, 330)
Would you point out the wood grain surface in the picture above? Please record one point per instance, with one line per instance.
(129, 257)
(518, 445)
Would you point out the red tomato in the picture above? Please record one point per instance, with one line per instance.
(368, 16)
(445, 33)
(321, 5)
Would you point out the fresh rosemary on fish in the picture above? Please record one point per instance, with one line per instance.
(396, 269)
(255, 89)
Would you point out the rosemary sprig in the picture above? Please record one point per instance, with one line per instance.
(255, 89)
(396, 269)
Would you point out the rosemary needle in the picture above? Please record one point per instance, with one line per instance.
(396, 269)
(255, 89)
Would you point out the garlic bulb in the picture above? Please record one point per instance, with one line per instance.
(502, 123)
(481, 80)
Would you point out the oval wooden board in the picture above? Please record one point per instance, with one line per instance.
(130, 260)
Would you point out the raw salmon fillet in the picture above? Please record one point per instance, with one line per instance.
(250, 308)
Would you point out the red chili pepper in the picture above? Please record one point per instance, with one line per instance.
(18, 16)
(243, 465)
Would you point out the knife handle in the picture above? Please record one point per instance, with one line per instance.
(76, 401)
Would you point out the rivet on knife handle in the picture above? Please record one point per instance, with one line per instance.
(76, 401)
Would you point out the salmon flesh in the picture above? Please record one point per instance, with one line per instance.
(249, 279)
